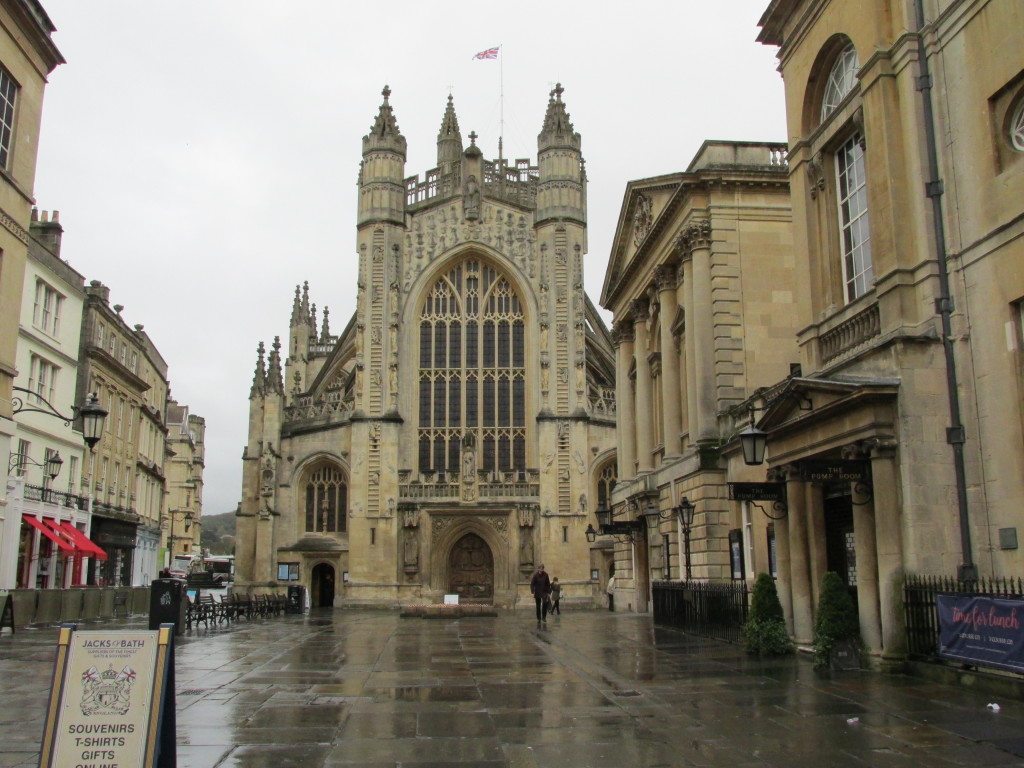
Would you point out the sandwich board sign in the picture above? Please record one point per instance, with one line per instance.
(111, 700)
(7, 613)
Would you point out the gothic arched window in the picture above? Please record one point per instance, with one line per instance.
(841, 80)
(605, 485)
(326, 499)
(472, 380)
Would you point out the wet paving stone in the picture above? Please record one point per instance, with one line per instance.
(368, 688)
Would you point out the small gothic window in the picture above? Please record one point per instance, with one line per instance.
(1017, 126)
(326, 500)
(605, 485)
(841, 80)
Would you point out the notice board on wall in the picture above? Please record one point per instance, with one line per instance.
(111, 700)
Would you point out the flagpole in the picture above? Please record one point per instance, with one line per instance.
(501, 101)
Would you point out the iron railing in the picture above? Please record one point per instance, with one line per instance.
(60, 498)
(922, 615)
(709, 609)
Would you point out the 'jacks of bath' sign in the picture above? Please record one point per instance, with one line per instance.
(112, 700)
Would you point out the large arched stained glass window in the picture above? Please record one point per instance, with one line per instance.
(841, 80)
(326, 499)
(472, 380)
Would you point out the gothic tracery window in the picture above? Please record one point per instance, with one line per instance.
(841, 80)
(1017, 126)
(472, 381)
(326, 500)
(605, 485)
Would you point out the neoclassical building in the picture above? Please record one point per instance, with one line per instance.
(700, 284)
(453, 435)
(900, 445)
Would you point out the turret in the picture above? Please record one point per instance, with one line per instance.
(449, 140)
(275, 383)
(561, 192)
(382, 172)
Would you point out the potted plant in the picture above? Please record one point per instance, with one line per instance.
(764, 632)
(837, 640)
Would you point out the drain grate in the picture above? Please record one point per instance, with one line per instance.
(626, 693)
(192, 692)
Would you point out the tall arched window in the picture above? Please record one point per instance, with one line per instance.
(472, 371)
(841, 80)
(605, 485)
(326, 499)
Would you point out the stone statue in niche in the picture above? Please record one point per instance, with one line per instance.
(582, 508)
(411, 550)
(563, 375)
(375, 335)
(526, 547)
(471, 199)
(544, 377)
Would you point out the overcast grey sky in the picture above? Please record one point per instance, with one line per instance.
(203, 154)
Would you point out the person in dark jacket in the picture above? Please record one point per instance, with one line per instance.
(540, 586)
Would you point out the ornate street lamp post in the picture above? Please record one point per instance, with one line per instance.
(92, 413)
(685, 509)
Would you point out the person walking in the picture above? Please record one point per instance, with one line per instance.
(540, 587)
(556, 596)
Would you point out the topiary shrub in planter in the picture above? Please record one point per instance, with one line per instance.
(765, 632)
(836, 623)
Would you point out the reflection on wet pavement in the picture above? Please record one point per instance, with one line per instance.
(349, 688)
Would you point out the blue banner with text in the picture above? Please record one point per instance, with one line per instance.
(982, 630)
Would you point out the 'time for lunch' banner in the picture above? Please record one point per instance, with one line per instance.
(982, 630)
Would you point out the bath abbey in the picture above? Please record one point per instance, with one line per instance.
(461, 427)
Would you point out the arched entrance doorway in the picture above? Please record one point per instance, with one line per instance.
(471, 570)
(322, 588)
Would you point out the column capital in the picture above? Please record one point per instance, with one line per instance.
(622, 332)
(640, 309)
(785, 473)
(881, 447)
(665, 278)
(697, 235)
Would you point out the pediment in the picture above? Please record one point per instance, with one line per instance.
(645, 202)
(808, 399)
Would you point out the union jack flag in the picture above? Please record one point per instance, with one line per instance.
(490, 53)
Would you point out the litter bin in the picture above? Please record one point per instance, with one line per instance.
(296, 599)
(167, 604)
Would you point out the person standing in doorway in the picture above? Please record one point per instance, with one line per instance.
(540, 587)
(610, 589)
(556, 596)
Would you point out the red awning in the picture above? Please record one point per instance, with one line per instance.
(50, 534)
(83, 543)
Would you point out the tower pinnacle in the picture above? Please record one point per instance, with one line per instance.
(449, 138)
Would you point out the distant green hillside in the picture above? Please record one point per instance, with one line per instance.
(219, 533)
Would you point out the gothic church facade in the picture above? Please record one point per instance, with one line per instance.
(461, 428)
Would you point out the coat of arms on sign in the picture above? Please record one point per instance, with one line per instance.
(107, 692)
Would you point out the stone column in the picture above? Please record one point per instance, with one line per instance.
(665, 278)
(867, 568)
(689, 350)
(889, 546)
(644, 406)
(700, 323)
(817, 554)
(799, 571)
(624, 407)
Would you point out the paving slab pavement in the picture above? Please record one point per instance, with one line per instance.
(364, 688)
